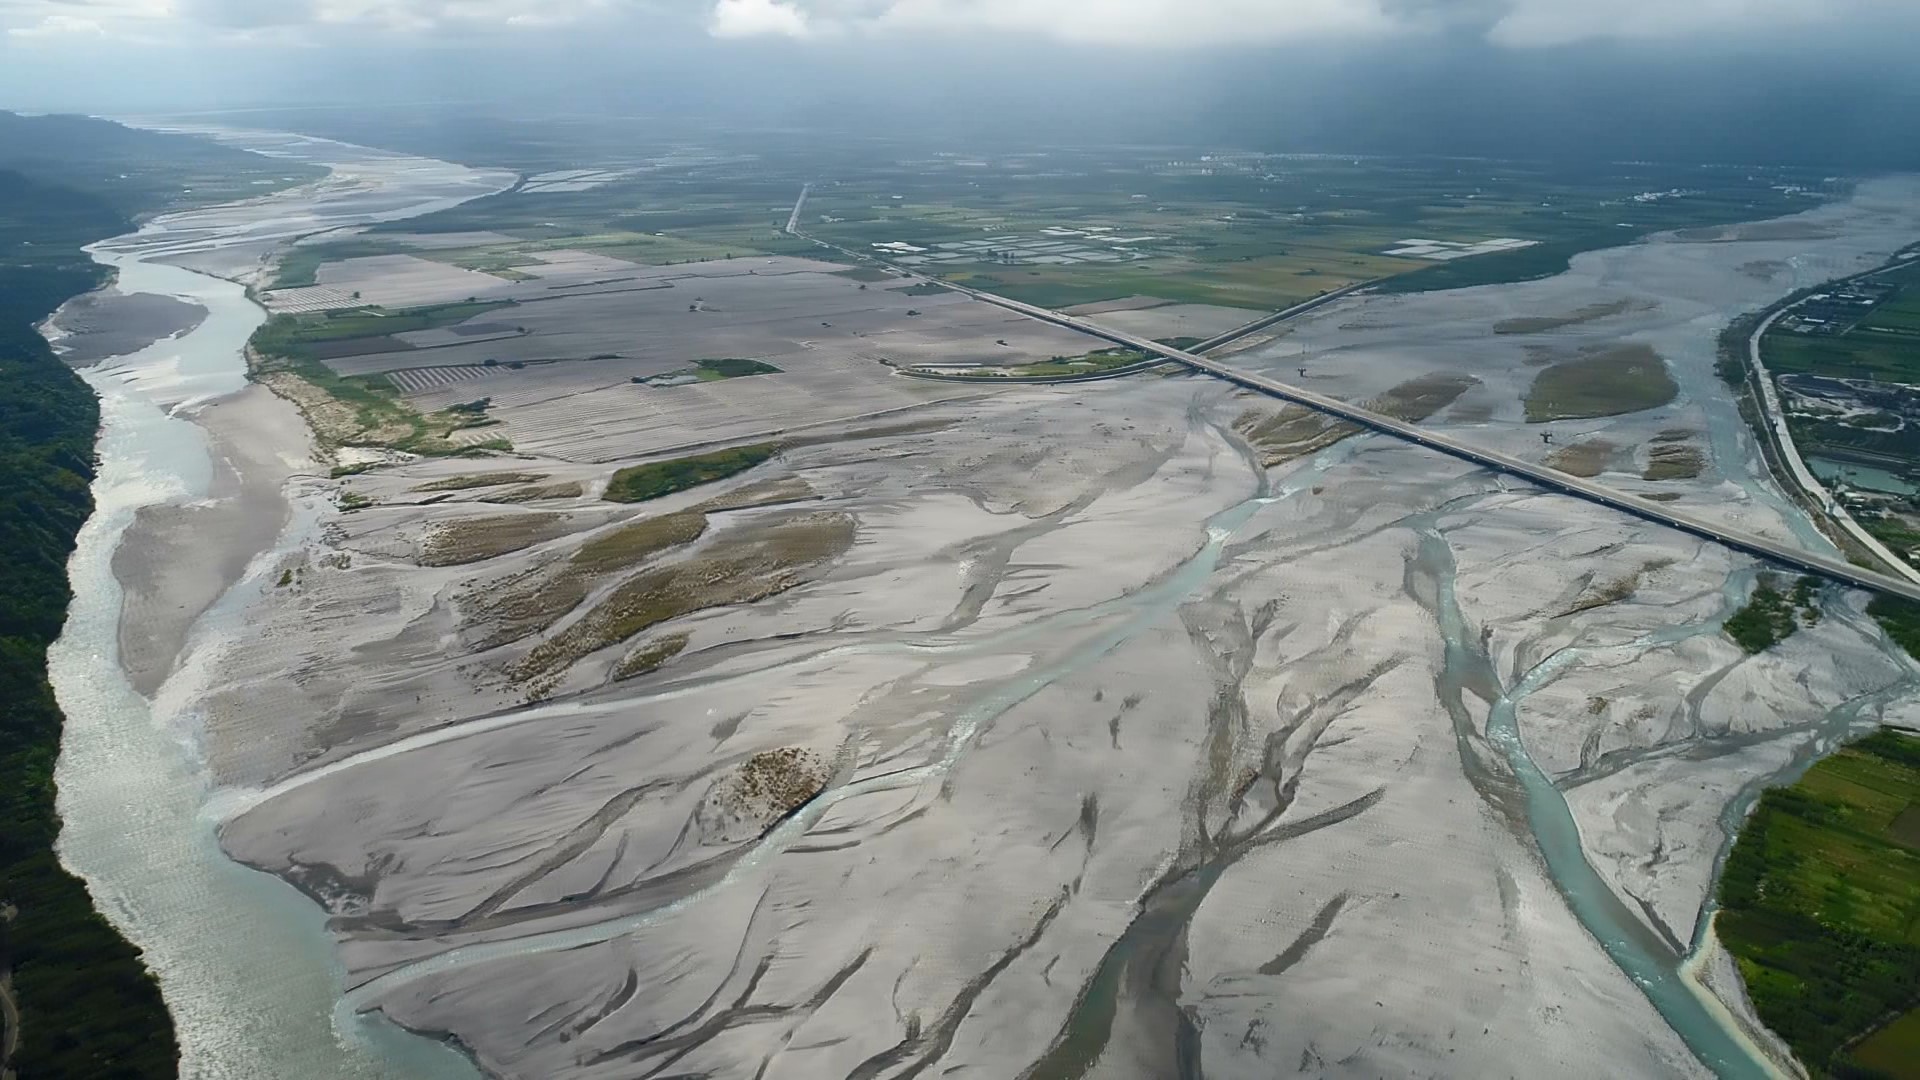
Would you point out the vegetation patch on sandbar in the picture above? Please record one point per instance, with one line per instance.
(1419, 398)
(764, 493)
(1900, 619)
(567, 489)
(1289, 432)
(1606, 382)
(759, 794)
(533, 602)
(630, 544)
(1540, 324)
(1674, 461)
(655, 479)
(1600, 593)
(480, 480)
(474, 539)
(650, 655)
(1293, 431)
(1772, 616)
(1587, 458)
(729, 367)
(737, 571)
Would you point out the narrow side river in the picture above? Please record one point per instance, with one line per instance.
(1638, 951)
(244, 961)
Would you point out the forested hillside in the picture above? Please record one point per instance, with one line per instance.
(135, 172)
(87, 1006)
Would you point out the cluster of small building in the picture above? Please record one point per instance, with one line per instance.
(1838, 311)
(1661, 196)
(1448, 250)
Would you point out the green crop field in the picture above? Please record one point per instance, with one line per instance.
(296, 344)
(1235, 229)
(1259, 232)
(1884, 346)
(1263, 284)
(1821, 906)
(293, 336)
(1898, 316)
(1857, 355)
(1891, 1051)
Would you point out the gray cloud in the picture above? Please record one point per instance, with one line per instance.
(1152, 24)
(1165, 24)
(1559, 22)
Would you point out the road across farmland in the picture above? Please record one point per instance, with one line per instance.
(799, 204)
(1774, 428)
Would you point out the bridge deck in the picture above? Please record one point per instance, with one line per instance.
(1552, 479)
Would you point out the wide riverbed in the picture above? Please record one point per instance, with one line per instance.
(244, 961)
(1498, 673)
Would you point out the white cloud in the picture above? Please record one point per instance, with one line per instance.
(76, 18)
(150, 19)
(758, 18)
(60, 26)
(428, 15)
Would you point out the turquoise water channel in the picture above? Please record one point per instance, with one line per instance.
(1635, 948)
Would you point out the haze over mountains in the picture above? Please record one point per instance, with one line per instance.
(1731, 80)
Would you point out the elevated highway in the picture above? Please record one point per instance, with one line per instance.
(1774, 551)
(1788, 555)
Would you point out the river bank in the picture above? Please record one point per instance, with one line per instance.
(189, 495)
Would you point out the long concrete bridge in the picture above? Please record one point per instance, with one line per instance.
(1774, 551)
(1788, 555)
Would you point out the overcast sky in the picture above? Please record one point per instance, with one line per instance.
(1708, 62)
(1157, 24)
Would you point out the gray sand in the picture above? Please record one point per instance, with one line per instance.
(177, 559)
(110, 323)
(1092, 691)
